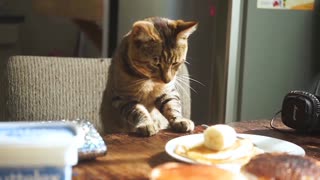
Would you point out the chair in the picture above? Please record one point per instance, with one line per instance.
(53, 88)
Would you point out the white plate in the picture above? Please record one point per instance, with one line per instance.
(268, 144)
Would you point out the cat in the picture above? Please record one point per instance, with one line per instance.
(142, 76)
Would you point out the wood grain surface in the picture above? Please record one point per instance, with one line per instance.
(132, 157)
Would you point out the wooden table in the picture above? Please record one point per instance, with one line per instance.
(133, 157)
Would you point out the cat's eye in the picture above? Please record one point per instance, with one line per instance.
(175, 64)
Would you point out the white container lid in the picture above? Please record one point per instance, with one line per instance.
(28, 144)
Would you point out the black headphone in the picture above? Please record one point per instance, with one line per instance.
(300, 111)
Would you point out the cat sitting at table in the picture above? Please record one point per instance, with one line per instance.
(143, 78)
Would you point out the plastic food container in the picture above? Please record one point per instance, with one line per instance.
(37, 150)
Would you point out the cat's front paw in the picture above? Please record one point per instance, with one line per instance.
(147, 129)
(182, 125)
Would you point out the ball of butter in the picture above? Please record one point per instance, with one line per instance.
(219, 137)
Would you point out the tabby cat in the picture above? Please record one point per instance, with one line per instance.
(142, 78)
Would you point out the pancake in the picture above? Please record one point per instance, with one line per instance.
(181, 171)
(282, 166)
(239, 153)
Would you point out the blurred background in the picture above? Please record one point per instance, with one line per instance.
(246, 59)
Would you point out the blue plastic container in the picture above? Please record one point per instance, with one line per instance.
(38, 150)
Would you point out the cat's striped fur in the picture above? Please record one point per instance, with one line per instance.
(142, 78)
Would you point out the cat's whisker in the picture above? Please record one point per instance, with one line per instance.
(187, 60)
(189, 78)
(179, 86)
(140, 92)
(137, 82)
(185, 84)
(181, 83)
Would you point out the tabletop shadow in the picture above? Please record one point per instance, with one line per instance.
(160, 158)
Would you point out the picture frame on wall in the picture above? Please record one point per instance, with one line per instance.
(286, 4)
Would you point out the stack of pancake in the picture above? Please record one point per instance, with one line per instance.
(221, 147)
(266, 166)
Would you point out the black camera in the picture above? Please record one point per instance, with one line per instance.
(300, 111)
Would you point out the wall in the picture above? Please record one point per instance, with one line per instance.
(42, 35)
(129, 12)
(276, 57)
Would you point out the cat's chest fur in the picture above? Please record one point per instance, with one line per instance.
(150, 91)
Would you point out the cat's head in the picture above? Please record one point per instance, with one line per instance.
(158, 47)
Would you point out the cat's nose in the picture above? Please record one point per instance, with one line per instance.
(166, 79)
(166, 74)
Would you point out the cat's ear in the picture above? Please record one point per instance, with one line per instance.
(141, 30)
(185, 29)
